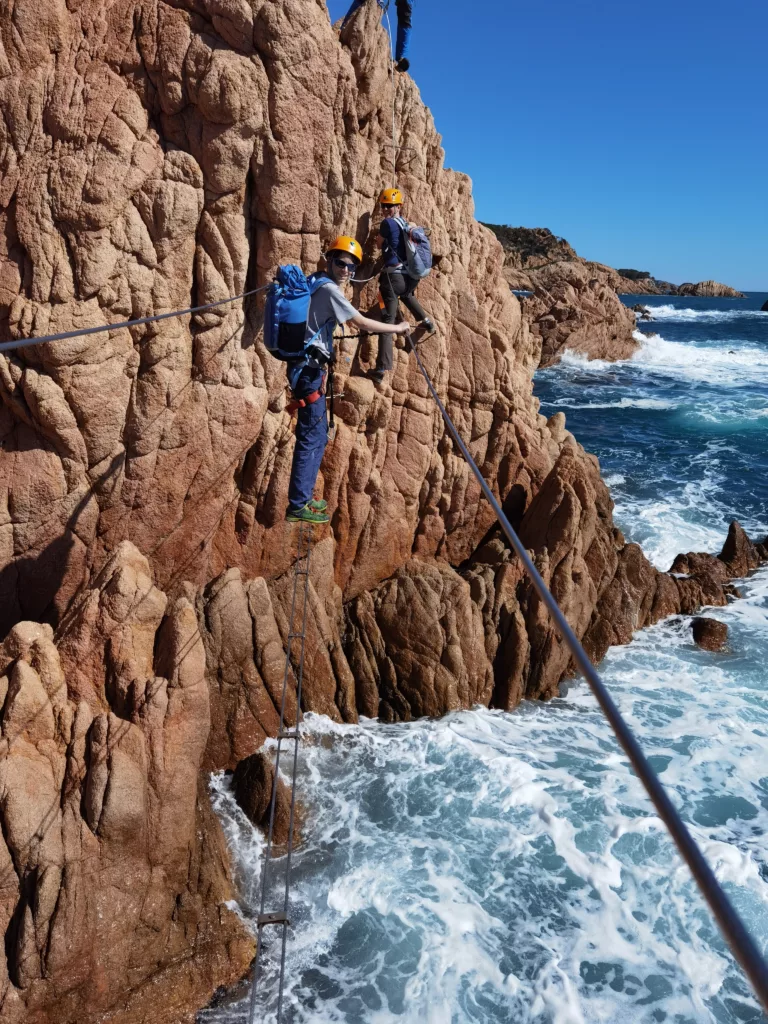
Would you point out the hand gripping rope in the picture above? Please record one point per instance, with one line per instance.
(742, 945)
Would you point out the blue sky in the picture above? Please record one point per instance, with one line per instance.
(639, 132)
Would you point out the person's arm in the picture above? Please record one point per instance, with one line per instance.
(377, 327)
(384, 236)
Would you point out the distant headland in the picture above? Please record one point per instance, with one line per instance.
(529, 249)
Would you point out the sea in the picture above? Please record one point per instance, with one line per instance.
(491, 867)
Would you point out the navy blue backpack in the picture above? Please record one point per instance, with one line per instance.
(286, 312)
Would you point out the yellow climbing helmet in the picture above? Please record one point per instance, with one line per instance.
(345, 243)
(391, 197)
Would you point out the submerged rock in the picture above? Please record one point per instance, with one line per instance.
(711, 634)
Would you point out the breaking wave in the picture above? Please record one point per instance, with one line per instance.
(704, 316)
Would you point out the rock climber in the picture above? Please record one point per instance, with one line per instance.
(327, 309)
(394, 282)
(404, 11)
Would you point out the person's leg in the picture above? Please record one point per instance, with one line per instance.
(404, 8)
(356, 5)
(388, 287)
(311, 439)
(411, 303)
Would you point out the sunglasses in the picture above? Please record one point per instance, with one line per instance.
(388, 206)
(338, 262)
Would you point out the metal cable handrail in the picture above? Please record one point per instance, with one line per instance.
(7, 346)
(741, 942)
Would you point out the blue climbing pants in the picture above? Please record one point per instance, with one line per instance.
(311, 436)
(404, 11)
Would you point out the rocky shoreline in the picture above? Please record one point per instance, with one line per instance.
(145, 561)
(574, 302)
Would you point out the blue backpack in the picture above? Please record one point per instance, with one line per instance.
(286, 312)
(418, 251)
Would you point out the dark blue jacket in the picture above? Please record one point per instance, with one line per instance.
(394, 242)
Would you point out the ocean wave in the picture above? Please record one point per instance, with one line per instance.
(736, 364)
(491, 867)
(670, 312)
(622, 403)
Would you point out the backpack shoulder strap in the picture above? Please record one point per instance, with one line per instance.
(315, 281)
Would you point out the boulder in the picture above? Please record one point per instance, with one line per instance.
(711, 634)
(252, 783)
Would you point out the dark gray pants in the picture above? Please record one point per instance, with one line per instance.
(394, 288)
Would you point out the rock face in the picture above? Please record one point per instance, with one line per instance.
(252, 784)
(157, 155)
(712, 289)
(645, 285)
(574, 305)
(711, 634)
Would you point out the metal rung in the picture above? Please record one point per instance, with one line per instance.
(296, 636)
(278, 918)
(287, 735)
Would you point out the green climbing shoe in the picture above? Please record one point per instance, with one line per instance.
(307, 515)
(318, 505)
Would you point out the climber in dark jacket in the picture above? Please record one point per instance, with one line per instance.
(404, 11)
(395, 283)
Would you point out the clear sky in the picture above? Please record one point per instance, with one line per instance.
(638, 131)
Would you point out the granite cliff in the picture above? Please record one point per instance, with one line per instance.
(155, 155)
(574, 304)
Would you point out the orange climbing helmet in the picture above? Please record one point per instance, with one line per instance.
(391, 197)
(345, 243)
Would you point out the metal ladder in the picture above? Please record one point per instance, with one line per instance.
(282, 863)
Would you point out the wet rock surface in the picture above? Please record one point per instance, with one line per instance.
(710, 634)
(155, 156)
(252, 784)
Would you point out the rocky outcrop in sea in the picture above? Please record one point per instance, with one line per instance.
(710, 289)
(158, 155)
(574, 304)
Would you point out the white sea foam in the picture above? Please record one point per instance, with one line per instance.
(622, 403)
(491, 867)
(734, 364)
(670, 312)
(731, 364)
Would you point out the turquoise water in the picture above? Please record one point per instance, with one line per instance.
(493, 867)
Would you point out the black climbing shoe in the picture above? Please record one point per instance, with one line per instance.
(426, 327)
(403, 64)
(307, 515)
(377, 376)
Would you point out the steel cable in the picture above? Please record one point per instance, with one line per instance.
(741, 942)
(7, 346)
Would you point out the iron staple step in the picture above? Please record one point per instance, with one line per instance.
(277, 918)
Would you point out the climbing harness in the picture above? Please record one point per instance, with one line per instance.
(301, 403)
(742, 945)
(277, 867)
